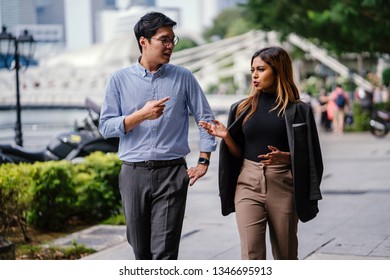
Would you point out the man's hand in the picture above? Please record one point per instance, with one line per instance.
(194, 173)
(153, 109)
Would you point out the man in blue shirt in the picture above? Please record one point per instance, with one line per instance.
(147, 106)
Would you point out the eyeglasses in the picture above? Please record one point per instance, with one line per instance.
(166, 40)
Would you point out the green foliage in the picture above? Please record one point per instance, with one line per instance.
(44, 252)
(15, 196)
(341, 26)
(53, 195)
(47, 194)
(361, 118)
(76, 250)
(97, 186)
(115, 220)
(185, 43)
(312, 84)
(237, 27)
(383, 106)
(386, 77)
(230, 22)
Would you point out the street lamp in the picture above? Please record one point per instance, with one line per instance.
(15, 54)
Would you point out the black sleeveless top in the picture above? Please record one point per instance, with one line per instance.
(264, 128)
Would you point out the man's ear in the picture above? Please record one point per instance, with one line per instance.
(143, 41)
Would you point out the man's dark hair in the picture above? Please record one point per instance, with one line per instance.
(148, 24)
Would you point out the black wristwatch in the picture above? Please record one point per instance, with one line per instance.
(204, 161)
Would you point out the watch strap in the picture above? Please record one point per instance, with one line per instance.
(204, 161)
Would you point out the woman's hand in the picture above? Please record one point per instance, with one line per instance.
(217, 129)
(275, 156)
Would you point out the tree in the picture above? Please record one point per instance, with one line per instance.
(386, 77)
(230, 22)
(185, 43)
(339, 25)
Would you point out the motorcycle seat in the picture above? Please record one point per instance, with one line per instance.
(21, 152)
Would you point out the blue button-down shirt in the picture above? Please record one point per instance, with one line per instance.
(165, 138)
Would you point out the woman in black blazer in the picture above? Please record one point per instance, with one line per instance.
(270, 165)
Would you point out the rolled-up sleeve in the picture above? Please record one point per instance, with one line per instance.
(201, 110)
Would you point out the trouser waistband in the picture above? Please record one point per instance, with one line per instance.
(156, 163)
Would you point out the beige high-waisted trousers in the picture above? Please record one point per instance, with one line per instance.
(264, 195)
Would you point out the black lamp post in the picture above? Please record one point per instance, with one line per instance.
(16, 53)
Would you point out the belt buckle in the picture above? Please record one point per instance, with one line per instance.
(150, 163)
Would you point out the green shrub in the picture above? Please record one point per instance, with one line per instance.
(97, 188)
(361, 118)
(54, 195)
(386, 77)
(115, 220)
(15, 197)
(383, 106)
(47, 194)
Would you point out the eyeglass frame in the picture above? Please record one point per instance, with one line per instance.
(165, 40)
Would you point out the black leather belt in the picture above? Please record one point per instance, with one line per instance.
(156, 163)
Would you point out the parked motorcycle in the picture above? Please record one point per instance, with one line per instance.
(380, 123)
(84, 140)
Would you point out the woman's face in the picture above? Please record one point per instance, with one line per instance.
(263, 78)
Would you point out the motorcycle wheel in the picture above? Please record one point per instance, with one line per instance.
(378, 131)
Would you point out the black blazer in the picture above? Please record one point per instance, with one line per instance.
(306, 160)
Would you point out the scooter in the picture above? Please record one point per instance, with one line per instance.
(380, 123)
(84, 140)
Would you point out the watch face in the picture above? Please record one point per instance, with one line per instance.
(203, 161)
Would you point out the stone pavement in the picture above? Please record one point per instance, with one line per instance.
(353, 223)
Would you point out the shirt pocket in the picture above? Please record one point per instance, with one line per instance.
(298, 124)
(300, 133)
(174, 107)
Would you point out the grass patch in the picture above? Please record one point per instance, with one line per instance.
(47, 252)
(115, 220)
(38, 247)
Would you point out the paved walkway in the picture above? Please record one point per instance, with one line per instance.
(353, 223)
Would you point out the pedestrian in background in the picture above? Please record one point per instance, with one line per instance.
(338, 105)
(325, 122)
(147, 106)
(270, 165)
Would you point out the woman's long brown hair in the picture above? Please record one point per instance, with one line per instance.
(286, 90)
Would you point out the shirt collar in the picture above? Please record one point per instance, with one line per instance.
(144, 72)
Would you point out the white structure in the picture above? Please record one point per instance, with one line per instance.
(42, 32)
(69, 78)
(78, 24)
(192, 16)
(196, 15)
(115, 24)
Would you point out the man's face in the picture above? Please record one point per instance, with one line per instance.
(154, 51)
